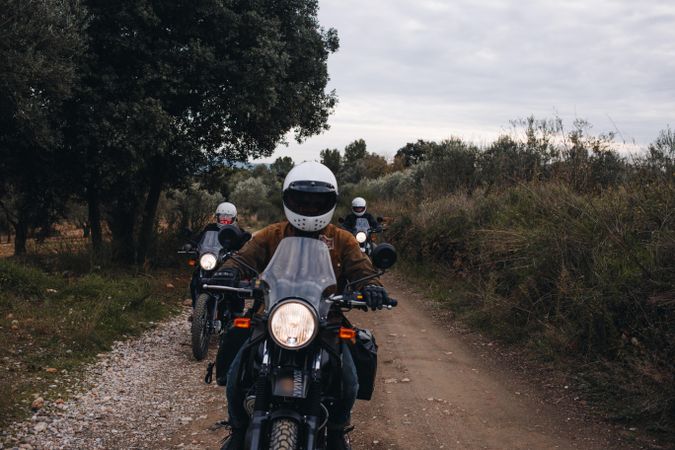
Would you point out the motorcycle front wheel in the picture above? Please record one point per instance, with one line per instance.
(201, 331)
(284, 435)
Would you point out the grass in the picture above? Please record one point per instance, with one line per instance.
(52, 323)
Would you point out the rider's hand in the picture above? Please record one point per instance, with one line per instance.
(227, 277)
(375, 296)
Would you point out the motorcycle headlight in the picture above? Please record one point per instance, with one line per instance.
(293, 324)
(361, 237)
(208, 261)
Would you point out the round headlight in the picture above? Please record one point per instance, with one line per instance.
(208, 261)
(361, 237)
(293, 324)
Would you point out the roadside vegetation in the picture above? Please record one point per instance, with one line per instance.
(554, 242)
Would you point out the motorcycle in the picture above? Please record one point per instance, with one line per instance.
(210, 311)
(291, 361)
(363, 233)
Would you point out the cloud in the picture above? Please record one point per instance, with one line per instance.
(430, 69)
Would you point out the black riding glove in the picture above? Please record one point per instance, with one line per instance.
(375, 296)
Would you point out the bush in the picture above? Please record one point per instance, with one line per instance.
(581, 275)
(260, 200)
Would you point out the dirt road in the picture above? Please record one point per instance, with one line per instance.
(437, 388)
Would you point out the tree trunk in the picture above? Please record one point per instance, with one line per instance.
(21, 236)
(122, 222)
(146, 235)
(94, 213)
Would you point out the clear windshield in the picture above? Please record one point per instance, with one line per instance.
(209, 242)
(300, 268)
(362, 224)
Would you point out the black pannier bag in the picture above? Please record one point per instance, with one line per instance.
(364, 353)
(230, 343)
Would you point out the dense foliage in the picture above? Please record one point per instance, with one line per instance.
(115, 105)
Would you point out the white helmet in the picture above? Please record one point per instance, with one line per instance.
(226, 213)
(310, 196)
(359, 206)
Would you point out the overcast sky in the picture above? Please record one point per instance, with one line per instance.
(431, 69)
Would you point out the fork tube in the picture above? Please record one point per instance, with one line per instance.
(261, 401)
(314, 403)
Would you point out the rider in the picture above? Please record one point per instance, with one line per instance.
(226, 214)
(359, 210)
(309, 197)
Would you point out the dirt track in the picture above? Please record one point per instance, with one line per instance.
(437, 388)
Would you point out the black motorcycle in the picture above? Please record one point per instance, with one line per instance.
(364, 233)
(210, 310)
(291, 362)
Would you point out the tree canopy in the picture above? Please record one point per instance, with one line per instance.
(170, 89)
(39, 44)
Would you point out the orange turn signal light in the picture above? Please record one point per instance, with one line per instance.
(192, 262)
(347, 333)
(242, 322)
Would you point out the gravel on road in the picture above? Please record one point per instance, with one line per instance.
(138, 394)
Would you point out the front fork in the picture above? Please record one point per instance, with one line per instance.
(314, 402)
(214, 324)
(262, 394)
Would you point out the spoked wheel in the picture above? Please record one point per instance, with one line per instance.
(284, 435)
(201, 331)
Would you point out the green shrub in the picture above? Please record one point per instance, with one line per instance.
(586, 276)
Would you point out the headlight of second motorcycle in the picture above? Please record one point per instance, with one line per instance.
(361, 237)
(208, 261)
(293, 324)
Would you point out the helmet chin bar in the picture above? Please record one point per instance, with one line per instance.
(308, 224)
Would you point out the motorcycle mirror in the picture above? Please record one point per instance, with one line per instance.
(383, 256)
(231, 237)
(380, 219)
(187, 248)
(341, 220)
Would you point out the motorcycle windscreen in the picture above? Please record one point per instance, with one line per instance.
(300, 268)
(209, 243)
(362, 224)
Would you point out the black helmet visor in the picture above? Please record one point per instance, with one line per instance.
(310, 198)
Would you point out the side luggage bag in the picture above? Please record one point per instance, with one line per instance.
(364, 353)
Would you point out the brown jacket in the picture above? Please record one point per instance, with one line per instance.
(349, 262)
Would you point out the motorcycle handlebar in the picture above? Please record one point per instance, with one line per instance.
(349, 301)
